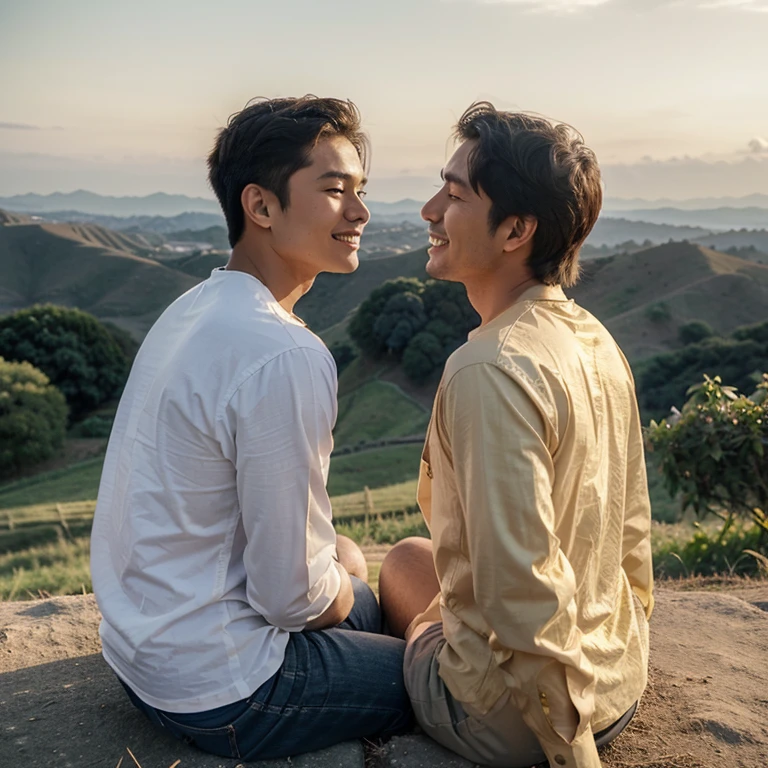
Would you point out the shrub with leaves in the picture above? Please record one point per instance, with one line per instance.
(72, 348)
(715, 452)
(33, 416)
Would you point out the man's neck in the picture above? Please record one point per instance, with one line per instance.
(286, 283)
(493, 296)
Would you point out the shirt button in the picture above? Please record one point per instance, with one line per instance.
(560, 760)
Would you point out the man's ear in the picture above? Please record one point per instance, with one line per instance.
(256, 206)
(519, 231)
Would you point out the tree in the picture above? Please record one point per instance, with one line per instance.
(423, 356)
(343, 355)
(128, 345)
(361, 327)
(72, 348)
(695, 331)
(401, 318)
(715, 451)
(665, 378)
(33, 416)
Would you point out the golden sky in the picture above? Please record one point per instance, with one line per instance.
(125, 97)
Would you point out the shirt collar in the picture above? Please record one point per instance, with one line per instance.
(274, 304)
(538, 292)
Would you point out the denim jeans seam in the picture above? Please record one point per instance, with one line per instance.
(274, 709)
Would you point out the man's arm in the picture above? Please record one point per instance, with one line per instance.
(284, 415)
(339, 609)
(524, 585)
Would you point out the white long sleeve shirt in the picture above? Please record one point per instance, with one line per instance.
(212, 537)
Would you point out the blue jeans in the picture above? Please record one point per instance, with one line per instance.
(335, 684)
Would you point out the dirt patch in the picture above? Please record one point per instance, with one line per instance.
(706, 705)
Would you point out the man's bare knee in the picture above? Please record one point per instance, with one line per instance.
(415, 552)
(407, 582)
(351, 557)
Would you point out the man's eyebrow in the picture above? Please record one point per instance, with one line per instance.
(453, 179)
(343, 176)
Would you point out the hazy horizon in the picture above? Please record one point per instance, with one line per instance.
(126, 100)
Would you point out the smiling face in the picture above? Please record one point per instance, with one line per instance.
(320, 229)
(462, 246)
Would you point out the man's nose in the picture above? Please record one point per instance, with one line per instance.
(359, 212)
(431, 211)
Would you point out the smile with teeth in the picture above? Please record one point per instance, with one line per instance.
(351, 239)
(437, 241)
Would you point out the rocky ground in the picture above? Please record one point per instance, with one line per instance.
(706, 705)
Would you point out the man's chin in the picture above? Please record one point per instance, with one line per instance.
(344, 267)
(435, 269)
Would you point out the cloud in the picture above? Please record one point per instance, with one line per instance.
(574, 6)
(28, 127)
(758, 146)
(556, 6)
(684, 177)
(18, 127)
(756, 6)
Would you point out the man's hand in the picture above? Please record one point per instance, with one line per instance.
(339, 609)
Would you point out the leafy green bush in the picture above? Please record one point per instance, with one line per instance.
(695, 331)
(664, 379)
(735, 551)
(420, 323)
(715, 452)
(658, 312)
(343, 354)
(96, 426)
(361, 328)
(72, 348)
(33, 416)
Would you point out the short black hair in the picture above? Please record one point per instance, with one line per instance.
(271, 139)
(530, 166)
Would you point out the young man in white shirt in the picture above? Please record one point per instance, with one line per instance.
(232, 613)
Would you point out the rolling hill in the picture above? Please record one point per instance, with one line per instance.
(87, 267)
(644, 298)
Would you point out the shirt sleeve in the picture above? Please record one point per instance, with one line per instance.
(284, 415)
(637, 558)
(524, 586)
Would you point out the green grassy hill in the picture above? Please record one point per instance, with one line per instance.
(87, 267)
(333, 296)
(644, 298)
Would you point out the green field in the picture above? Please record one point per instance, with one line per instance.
(77, 483)
(376, 411)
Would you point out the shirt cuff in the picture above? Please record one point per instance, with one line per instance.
(580, 753)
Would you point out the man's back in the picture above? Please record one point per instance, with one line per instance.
(537, 468)
(182, 624)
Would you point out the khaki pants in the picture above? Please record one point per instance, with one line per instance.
(498, 738)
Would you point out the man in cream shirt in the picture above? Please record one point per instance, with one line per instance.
(526, 615)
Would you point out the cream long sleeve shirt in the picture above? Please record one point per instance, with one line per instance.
(533, 485)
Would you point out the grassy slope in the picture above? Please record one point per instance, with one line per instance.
(376, 411)
(695, 283)
(53, 263)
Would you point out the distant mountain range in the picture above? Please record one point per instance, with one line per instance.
(712, 219)
(159, 204)
(691, 204)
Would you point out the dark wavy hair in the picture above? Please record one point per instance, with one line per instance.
(531, 166)
(271, 139)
